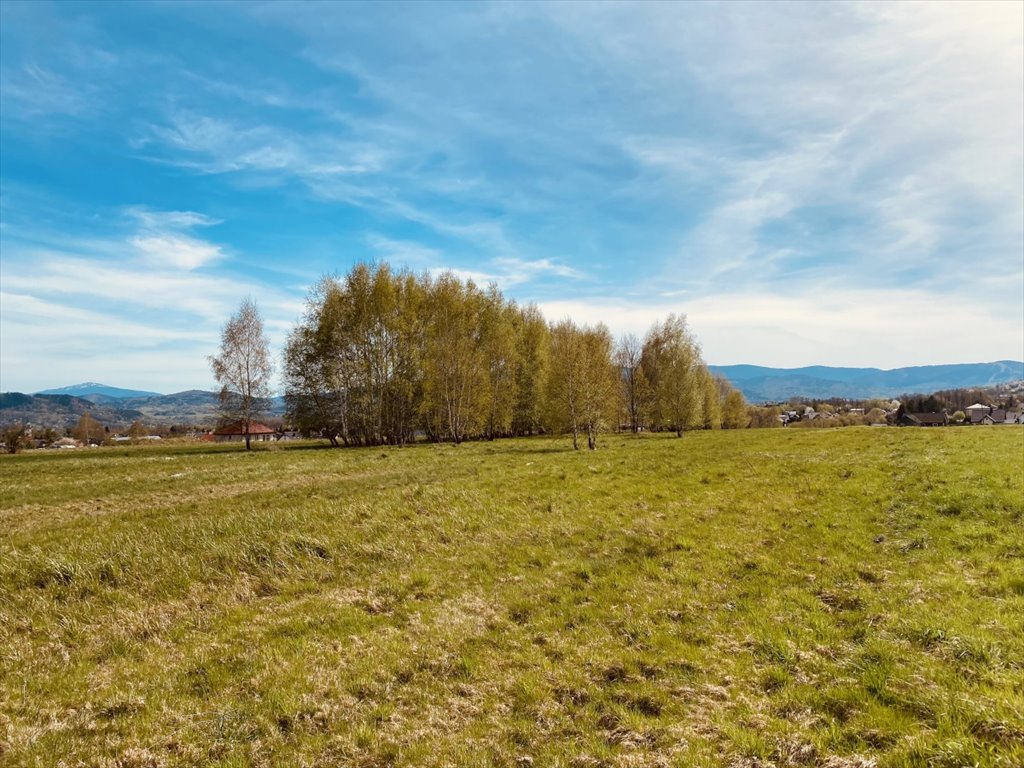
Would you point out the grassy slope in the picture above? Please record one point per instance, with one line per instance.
(829, 597)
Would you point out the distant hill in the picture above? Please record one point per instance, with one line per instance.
(760, 384)
(92, 389)
(118, 407)
(60, 411)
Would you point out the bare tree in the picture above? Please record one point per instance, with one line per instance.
(243, 368)
(15, 437)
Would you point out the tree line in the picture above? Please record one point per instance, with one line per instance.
(381, 356)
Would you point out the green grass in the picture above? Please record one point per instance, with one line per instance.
(774, 597)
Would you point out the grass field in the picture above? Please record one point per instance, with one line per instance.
(838, 598)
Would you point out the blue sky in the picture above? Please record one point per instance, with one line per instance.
(837, 184)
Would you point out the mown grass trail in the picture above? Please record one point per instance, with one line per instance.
(778, 597)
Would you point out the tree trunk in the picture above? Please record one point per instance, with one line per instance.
(591, 438)
(575, 439)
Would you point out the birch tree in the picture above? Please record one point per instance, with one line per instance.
(455, 378)
(581, 387)
(633, 386)
(531, 369)
(599, 382)
(671, 361)
(243, 368)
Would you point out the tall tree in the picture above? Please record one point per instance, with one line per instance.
(498, 343)
(672, 362)
(243, 368)
(600, 382)
(713, 397)
(455, 370)
(313, 400)
(582, 381)
(563, 398)
(531, 369)
(633, 385)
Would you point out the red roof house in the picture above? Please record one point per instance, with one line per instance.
(235, 432)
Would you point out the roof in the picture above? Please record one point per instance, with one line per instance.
(928, 418)
(976, 407)
(238, 428)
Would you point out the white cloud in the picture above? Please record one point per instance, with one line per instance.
(139, 286)
(177, 251)
(53, 343)
(522, 270)
(508, 272)
(851, 327)
(786, 155)
(162, 240)
(905, 118)
(60, 320)
(215, 145)
(480, 279)
(62, 311)
(175, 220)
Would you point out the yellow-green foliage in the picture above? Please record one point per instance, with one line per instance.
(739, 598)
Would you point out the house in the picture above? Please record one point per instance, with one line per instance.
(924, 420)
(235, 432)
(999, 416)
(984, 414)
(977, 412)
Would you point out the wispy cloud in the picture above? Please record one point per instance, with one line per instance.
(907, 123)
(625, 159)
(216, 145)
(177, 251)
(523, 270)
(510, 272)
(34, 91)
(78, 300)
(162, 239)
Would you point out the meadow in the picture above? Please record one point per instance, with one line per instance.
(839, 598)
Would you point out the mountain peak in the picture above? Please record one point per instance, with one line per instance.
(95, 388)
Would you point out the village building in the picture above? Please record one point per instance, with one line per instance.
(977, 413)
(931, 419)
(235, 432)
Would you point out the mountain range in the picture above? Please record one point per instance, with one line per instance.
(759, 384)
(63, 407)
